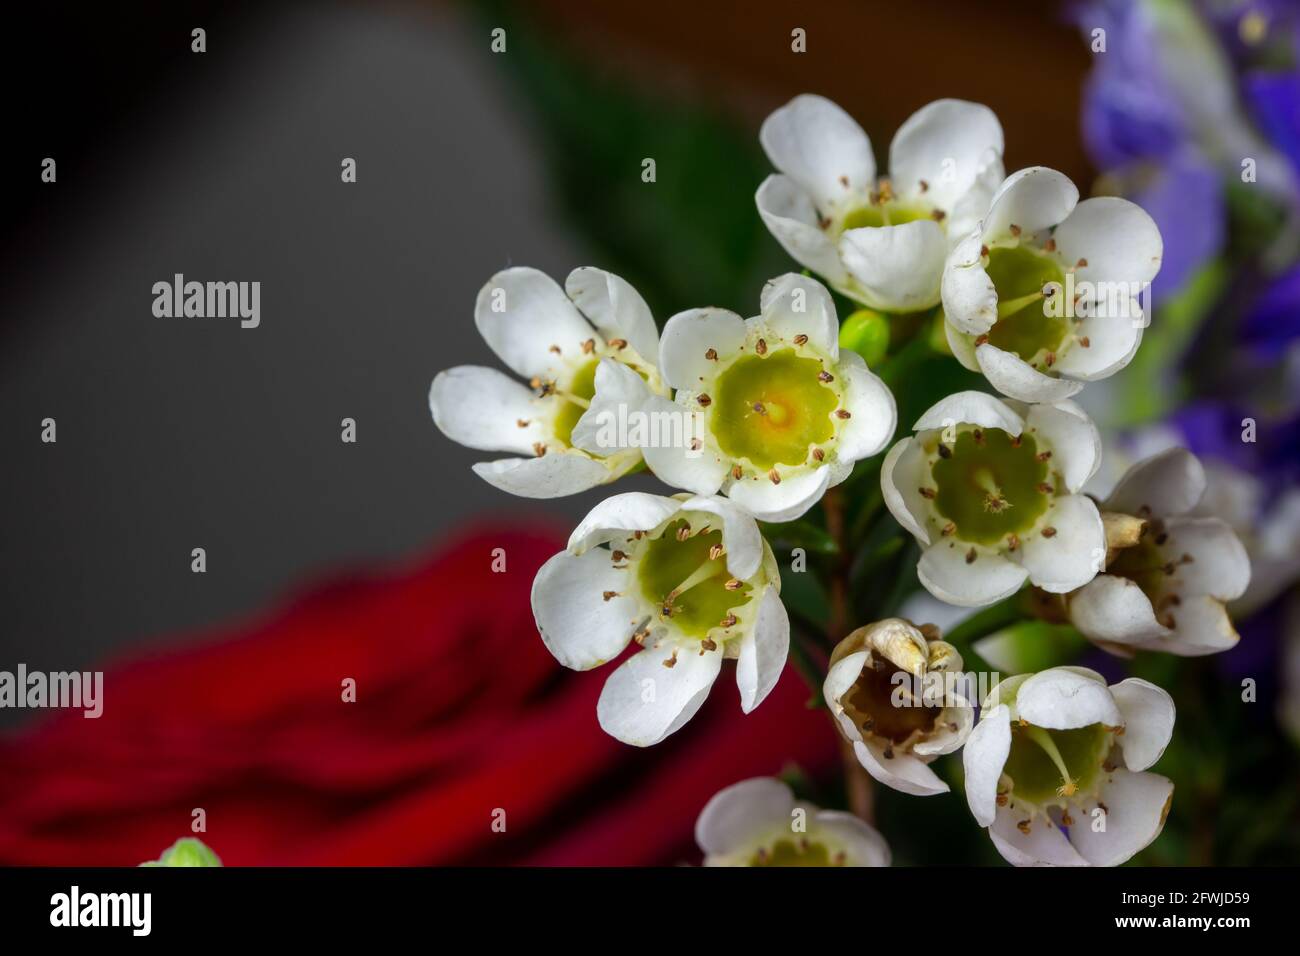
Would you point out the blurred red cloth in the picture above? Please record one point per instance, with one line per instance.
(460, 711)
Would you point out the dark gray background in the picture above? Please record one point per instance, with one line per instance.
(177, 433)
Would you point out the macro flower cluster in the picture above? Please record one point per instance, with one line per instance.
(778, 434)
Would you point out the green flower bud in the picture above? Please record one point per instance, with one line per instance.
(186, 851)
(866, 332)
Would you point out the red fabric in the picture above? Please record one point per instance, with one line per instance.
(460, 711)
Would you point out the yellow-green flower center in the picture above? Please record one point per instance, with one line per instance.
(990, 485)
(683, 574)
(1025, 325)
(796, 852)
(1049, 767)
(581, 386)
(772, 409)
(883, 214)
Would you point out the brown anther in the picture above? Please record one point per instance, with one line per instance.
(1049, 532)
(708, 644)
(618, 343)
(984, 252)
(1081, 264)
(824, 222)
(1045, 488)
(1043, 455)
(696, 444)
(1013, 541)
(1002, 799)
(981, 340)
(711, 354)
(671, 661)
(737, 472)
(609, 595)
(760, 347)
(825, 376)
(521, 422)
(1085, 342)
(735, 584)
(1049, 245)
(1066, 819)
(843, 413)
(927, 493)
(819, 454)
(944, 451)
(971, 555)
(715, 552)
(1015, 441)
(1023, 827)
(728, 621)
(774, 477)
(683, 532)
(801, 339)
(641, 635)
(978, 435)
(588, 346)
(844, 181)
(539, 448)
(889, 753)
(925, 187)
(948, 530)
(704, 400)
(555, 349)
(938, 215)
(1014, 229)
(1049, 359)
(618, 555)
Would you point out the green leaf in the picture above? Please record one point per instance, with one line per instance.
(1029, 646)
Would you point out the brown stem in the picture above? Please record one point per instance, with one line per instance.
(858, 784)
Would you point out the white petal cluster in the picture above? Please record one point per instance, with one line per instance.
(1056, 768)
(758, 822)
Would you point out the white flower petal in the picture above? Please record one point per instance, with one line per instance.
(1117, 238)
(1032, 199)
(1043, 845)
(553, 475)
(821, 148)
(965, 215)
(897, 268)
(621, 394)
(1170, 483)
(618, 516)
(482, 407)
(903, 772)
(1064, 698)
(1113, 340)
(1148, 721)
(945, 740)
(793, 304)
(790, 216)
(944, 143)
(946, 574)
(615, 308)
(1201, 626)
(841, 676)
(763, 651)
(740, 534)
(700, 471)
(1136, 807)
(970, 300)
(971, 408)
(1014, 377)
(861, 843)
(737, 815)
(983, 758)
(784, 502)
(1074, 555)
(1219, 566)
(1114, 609)
(535, 315)
(874, 414)
(1072, 437)
(643, 701)
(577, 624)
(688, 336)
(901, 476)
